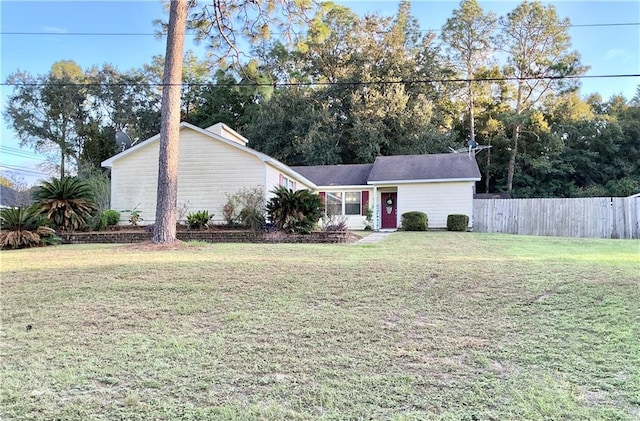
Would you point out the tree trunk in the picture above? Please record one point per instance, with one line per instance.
(512, 158)
(166, 206)
(516, 138)
(487, 172)
(472, 117)
(61, 163)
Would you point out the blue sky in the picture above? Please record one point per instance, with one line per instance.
(607, 49)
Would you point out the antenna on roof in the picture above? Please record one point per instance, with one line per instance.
(123, 140)
(472, 148)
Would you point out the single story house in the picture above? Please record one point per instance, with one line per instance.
(216, 162)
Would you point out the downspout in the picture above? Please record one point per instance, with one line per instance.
(264, 193)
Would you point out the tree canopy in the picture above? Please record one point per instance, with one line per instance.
(346, 88)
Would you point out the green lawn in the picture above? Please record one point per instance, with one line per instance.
(437, 325)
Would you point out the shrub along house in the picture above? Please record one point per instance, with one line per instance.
(216, 162)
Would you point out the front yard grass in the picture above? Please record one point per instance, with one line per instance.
(436, 325)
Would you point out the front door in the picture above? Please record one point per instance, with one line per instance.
(389, 207)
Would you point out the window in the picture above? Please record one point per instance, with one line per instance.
(343, 203)
(334, 203)
(352, 203)
(287, 182)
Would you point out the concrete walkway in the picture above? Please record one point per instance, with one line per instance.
(374, 238)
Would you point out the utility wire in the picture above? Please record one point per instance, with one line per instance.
(131, 34)
(25, 156)
(355, 83)
(17, 151)
(5, 167)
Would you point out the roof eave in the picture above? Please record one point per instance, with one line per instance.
(341, 186)
(432, 180)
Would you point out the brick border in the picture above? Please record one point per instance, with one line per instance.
(212, 236)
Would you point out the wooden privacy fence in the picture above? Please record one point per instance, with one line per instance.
(597, 217)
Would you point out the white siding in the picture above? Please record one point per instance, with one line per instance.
(437, 200)
(134, 183)
(208, 171)
(273, 180)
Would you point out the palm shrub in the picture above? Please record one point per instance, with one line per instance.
(67, 202)
(294, 211)
(199, 220)
(23, 228)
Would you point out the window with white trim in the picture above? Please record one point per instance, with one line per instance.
(287, 182)
(343, 203)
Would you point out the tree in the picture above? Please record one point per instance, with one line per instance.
(537, 43)
(221, 24)
(167, 196)
(67, 202)
(469, 34)
(45, 111)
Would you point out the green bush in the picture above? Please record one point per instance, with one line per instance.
(111, 216)
(199, 220)
(251, 218)
(415, 221)
(106, 218)
(245, 207)
(457, 222)
(294, 211)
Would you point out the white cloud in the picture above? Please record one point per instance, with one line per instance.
(616, 54)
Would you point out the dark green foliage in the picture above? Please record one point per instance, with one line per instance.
(112, 217)
(199, 220)
(23, 228)
(294, 211)
(245, 208)
(415, 221)
(67, 202)
(251, 218)
(105, 219)
(457, 222)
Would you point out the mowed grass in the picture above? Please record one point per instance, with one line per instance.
(437, 325)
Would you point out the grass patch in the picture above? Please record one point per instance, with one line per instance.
(435, 325)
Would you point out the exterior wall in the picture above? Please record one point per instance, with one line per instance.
(134, 183)
(437, 200)
(272, 180)
(208, 171)
(354, 222)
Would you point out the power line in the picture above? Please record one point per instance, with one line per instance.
(17, 151)
(25, 156)
(345, 83)
(5, 167)
(132, 34)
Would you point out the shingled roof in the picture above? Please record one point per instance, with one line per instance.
(336, 175)
(397, 168)
(429, 167)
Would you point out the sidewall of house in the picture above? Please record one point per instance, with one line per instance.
(134, 184)
(208, 171)
(437, 200)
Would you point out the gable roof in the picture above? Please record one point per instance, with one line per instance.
(108, 163)
(396, 169)
(336, 175)
(7, 197)
(424, 168)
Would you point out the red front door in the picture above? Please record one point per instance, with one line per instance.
(389, 207)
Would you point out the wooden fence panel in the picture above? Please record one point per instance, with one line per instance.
(596, 217)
